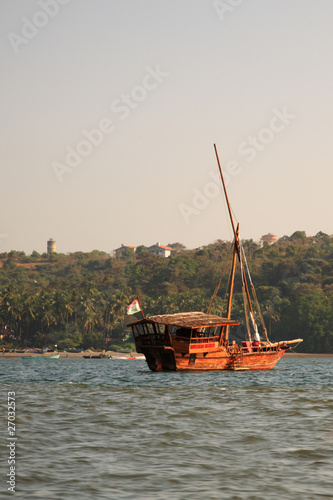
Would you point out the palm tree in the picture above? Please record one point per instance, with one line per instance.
(45, 307)
(270, 312)
(87, 308)
(11, 311)
(28, 315)
(63, 307)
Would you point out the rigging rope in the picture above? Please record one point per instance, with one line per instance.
(219, 283)
(241, 262)
(310, 360)
(260, 313)
(255, 297)
(246, 313)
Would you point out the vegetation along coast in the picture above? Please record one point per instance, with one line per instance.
(78, 300)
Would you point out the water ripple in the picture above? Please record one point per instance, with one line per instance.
(111, 429)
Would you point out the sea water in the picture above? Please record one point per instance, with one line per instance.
(112, 429)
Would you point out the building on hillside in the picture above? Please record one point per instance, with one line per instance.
(160, 250)
(121, 251)
(51, 246)
(269, 238)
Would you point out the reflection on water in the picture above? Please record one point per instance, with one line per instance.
(112, 429)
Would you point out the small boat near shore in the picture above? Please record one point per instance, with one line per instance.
(198, 341)
(127, 357)
(94, 356)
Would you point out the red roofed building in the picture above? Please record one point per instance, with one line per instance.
(123, 249)
(160, 250)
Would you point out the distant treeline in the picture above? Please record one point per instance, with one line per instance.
(80, 299)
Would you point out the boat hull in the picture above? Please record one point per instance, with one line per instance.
(162, 359)
(194, 342)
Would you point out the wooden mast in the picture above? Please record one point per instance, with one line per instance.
(225, 193)
(237, 249)
(231, 288)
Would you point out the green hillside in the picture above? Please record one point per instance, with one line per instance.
(79, 299)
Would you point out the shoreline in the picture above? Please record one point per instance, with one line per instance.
(307, 355)
(73, 355)
(70, 355)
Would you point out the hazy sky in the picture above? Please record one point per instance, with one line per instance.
(110, 109)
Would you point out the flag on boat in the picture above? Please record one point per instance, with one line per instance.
(134, 307)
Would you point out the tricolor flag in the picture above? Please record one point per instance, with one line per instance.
(134, 307)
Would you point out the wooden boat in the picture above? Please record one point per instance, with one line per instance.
(93, 356)
(197, 341)
(126, 357)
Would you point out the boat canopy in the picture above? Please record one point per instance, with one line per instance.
(188, 320)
